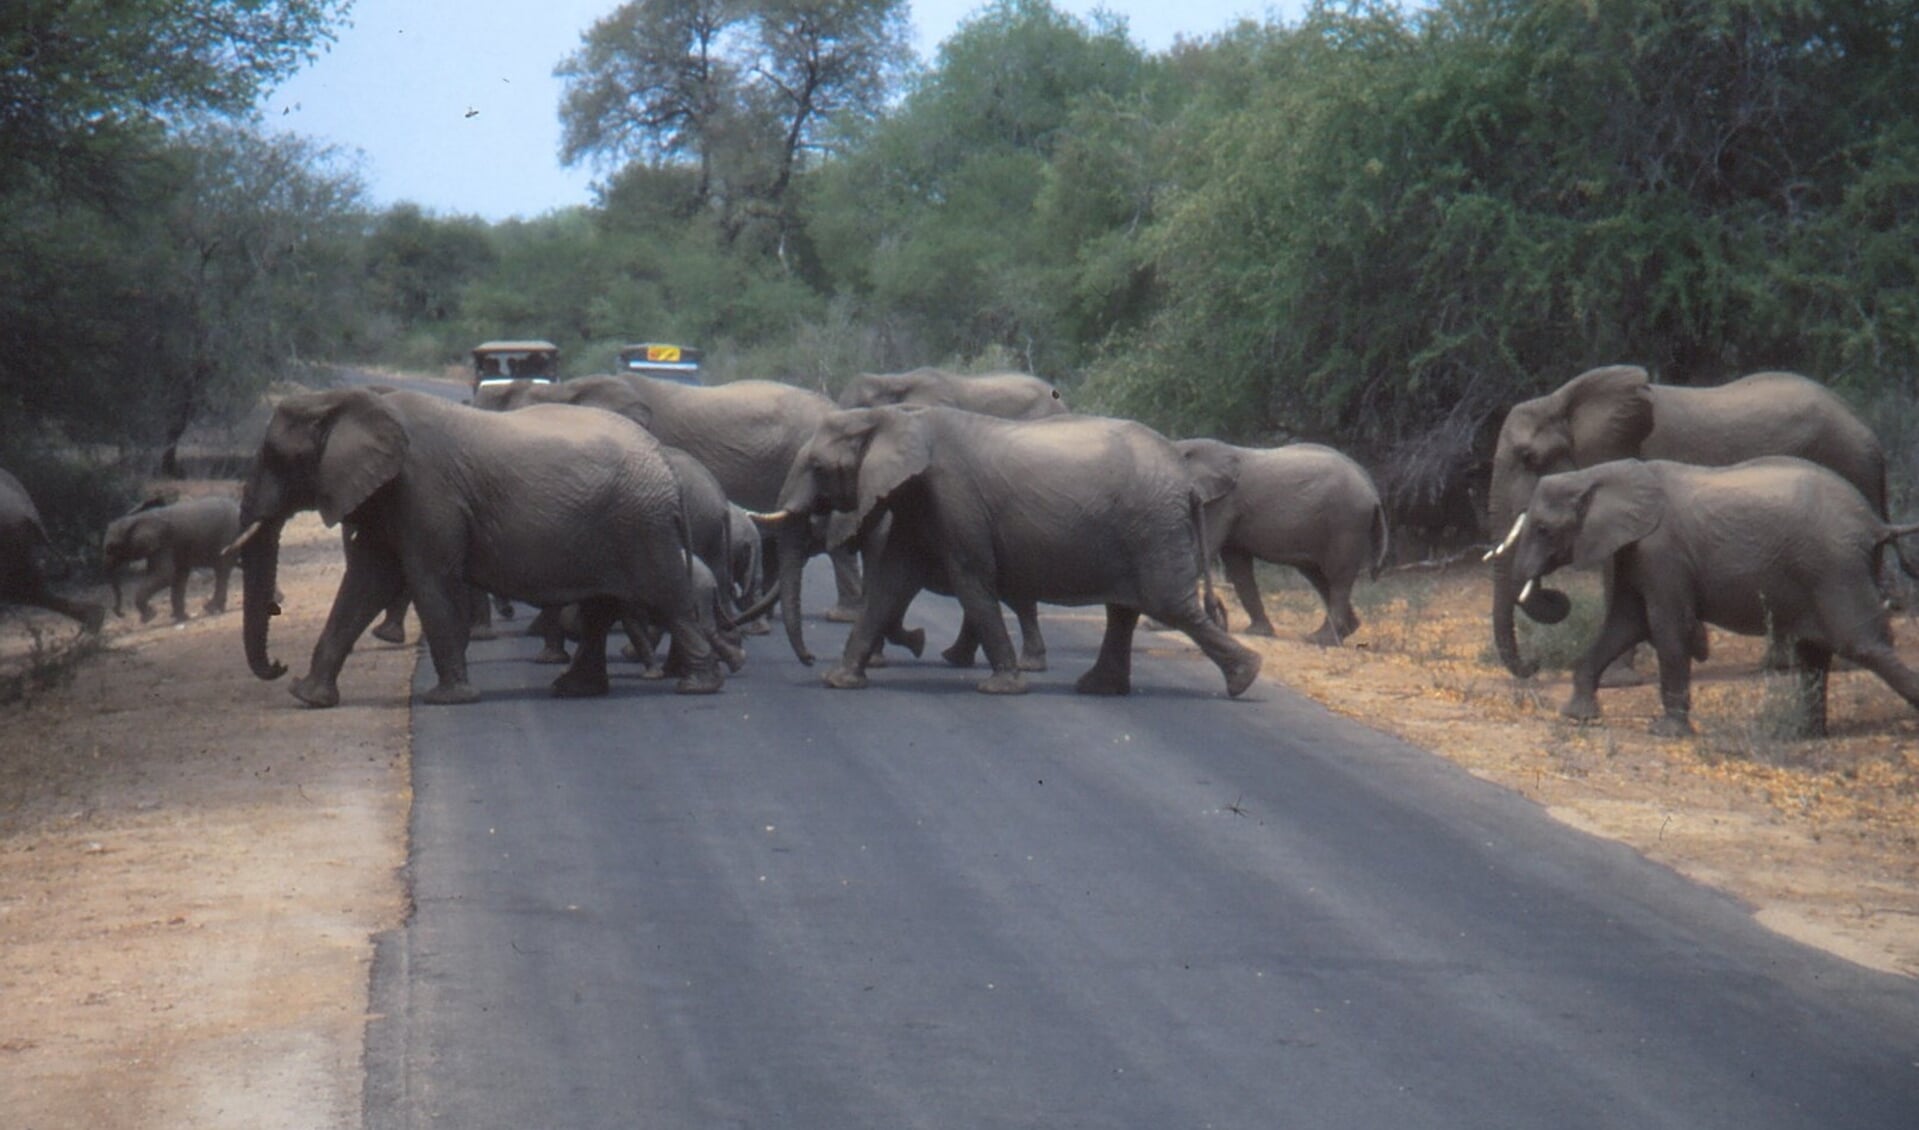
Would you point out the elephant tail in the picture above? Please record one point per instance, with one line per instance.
(1892, 534)
(1196, 514)
(1382, 539)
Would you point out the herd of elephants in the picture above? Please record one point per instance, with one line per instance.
(1758, 506)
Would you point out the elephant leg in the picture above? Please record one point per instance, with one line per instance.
(894, 585)
(503, 607)
(641, 638)
(1238, 566)
(964, 650)
(217, 603)
(1112, 672)
(1238, 663)
(446, 619)
(696, 651)
(552, 637)
(392, 628)
(587, 678)
(156, 578)
(1878, 656)
(1623, 628)
(982, 607)
(480, 611)
(177, 585)
(846, 583)
(1032, 645)
(373, 578)
(1336, 591)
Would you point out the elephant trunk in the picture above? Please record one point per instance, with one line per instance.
(794, 535)
(260, 561)
(1505, 592)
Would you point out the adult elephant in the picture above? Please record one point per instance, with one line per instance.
(1772, 546)
(1010, 396)
(552, 505)
(23, 541)
(1117, 524)
(746, 433)
(173, 539)
(1304, 505)
(1616, 412)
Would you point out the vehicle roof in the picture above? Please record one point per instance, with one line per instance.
(514, 347)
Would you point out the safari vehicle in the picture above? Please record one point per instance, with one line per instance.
(668, 362)
(498, 361)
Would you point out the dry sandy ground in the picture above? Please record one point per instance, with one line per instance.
(191, 872)
(192, 867)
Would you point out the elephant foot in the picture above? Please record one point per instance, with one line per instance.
(878, 659)
(913, 640)
(212, 608)
(450, 694)
(730, 654)
(391, 632)
(1032, 661)
(1323, 636)
(574, 684)
(957, 656)
(1671, 726)
(1003, 682)
(842, 614)
(844, 678)
(652, 673)
(95, 619)
(757, 628)
(1240, 673)
(482, 632)
(146, 615)
(1102, 682)
(700, 682)
(315, 693)
(1264, 628)
(553, 655)
(1581, 708)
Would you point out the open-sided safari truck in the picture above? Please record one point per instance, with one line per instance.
(496, 361)
(668, 362)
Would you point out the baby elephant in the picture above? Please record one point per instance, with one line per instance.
(1775, 545)
(173, 539)
(1302, 505)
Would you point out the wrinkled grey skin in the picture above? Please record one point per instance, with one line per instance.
(1303, 505)
(173, 539)
(1617, 413)
(746, 572)
(746, 433)
(1010, 396)
(552, 505)
(23, 578)
(1074, 510)
(1775, 545)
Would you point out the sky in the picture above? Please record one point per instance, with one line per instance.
(452, 104)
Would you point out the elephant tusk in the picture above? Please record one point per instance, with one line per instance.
(772, 519)
(1519, 524)
(240, 542)
(1526, 593)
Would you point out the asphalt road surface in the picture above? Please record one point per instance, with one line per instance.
(918, 906)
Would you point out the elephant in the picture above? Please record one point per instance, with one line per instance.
(173, 539)
(1617, 413)
(746, 433)
(23, 577)
(1073, 510)
(551, 505)
(1011, 396)
(1775, 546)
(1304, 505)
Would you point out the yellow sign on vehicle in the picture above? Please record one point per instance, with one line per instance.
(663, 353)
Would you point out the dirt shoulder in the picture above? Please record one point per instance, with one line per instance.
(192, 869)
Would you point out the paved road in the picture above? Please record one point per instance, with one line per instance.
(917, 906)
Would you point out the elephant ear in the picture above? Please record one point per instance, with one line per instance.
(897, 452)
(1621, 503)
(365, 443)
(1213, 466)
(1610, 412)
